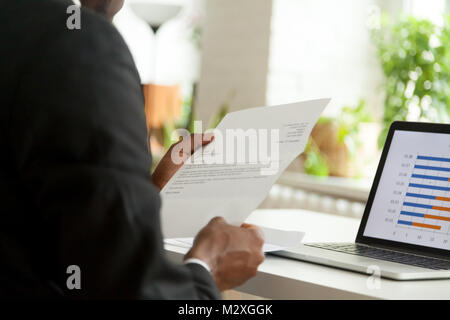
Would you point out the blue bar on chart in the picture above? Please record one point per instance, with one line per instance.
(423, 176)
(422, 196)
(412, 214)
(433, 158)
(418, 166)
(426, 186)
(424, 215)
(427, 196)
(421, 225)
(406, 223)
(418, 205)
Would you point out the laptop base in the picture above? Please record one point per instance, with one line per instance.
(361, 264)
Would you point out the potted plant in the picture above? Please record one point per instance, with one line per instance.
(414, 56)
(336, 145)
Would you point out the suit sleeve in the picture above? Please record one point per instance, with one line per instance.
(79, 143)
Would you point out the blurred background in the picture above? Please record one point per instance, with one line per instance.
(379, 61)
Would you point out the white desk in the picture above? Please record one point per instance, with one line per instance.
(280, 278)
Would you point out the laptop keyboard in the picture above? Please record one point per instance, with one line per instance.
(383, 254)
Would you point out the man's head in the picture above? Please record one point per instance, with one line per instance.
(106, 7)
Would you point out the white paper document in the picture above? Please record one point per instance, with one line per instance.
(233, 174)
(275, 240)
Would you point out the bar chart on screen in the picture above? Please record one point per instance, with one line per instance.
(412, 201)
(426, 204)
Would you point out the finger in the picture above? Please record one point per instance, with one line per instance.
(259, 234)
(196, 141)
(256, 229)
(248, 226)
(200, 139)
(258, 259)
(207, 138)
(187, 145)
(217, 220)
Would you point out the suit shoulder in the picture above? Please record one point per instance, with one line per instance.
(48, 21)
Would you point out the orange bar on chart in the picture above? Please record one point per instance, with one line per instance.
(428, 226)
(432, 216)
(441, 208)
(443, 198)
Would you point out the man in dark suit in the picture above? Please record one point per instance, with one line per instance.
(75, 187)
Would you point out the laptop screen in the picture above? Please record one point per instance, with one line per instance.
(412, 201)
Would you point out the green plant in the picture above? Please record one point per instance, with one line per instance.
(315, 164)
(414, 56)
(348, 124)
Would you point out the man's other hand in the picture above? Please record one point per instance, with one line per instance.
(233, 253)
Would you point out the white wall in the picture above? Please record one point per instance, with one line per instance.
(140, 40)
(427, 9)
(322, 48)
(235, 55)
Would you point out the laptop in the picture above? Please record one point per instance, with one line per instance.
(405, 230)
